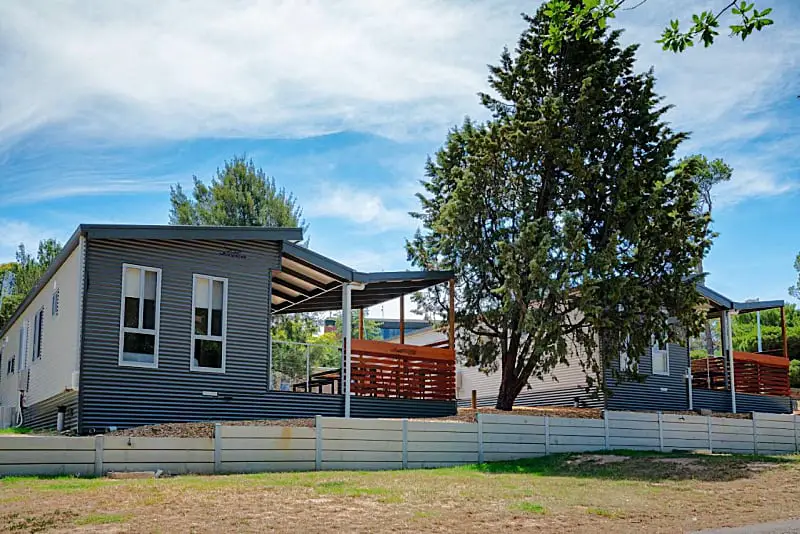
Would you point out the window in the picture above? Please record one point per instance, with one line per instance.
(139, 316)
(10, 365)
(210, 303)
(660, 359)
(38, 324)
(623, 356)
(54, 304)
(23, 346)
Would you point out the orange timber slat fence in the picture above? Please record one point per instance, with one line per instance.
(760, 374)
(382, 369)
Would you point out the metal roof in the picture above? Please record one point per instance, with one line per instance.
(309, 282)
(720, 302)
(160, 231)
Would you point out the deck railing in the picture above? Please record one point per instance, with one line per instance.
(756, 373)
(382, 369)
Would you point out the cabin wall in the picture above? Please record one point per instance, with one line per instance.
(50, 373)
(115, 395)
(657, 392)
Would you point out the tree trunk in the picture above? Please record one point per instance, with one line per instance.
(508, 394)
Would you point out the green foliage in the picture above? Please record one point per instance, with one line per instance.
(583, 19)
(27, 271)
(239, 195)
(794, 373)
(563, 217)
(795, 289)
(707, 174)
(745, 331)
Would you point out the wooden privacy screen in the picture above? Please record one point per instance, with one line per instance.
(753, 373)
(381, 369)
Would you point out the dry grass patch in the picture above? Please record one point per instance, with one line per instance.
(563, 493)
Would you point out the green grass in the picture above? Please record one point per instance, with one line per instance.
(20, 430)
(530, 507)
(101, 519)
(347, 489)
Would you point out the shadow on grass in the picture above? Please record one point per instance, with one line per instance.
(644, 466)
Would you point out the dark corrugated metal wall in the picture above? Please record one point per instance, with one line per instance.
(573, 395)
(720, 401)
(112, 395)
(44, 415)
(376, 407)
(656, 392)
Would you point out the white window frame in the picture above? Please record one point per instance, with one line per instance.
(623, 356)
(657, 351)
(125, 329)
(24, 334)
(38, 319)
(209, 337)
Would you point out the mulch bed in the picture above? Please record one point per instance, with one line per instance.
(465, 415)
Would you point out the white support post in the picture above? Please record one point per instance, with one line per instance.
(605, 428)
(405, 443)
(547, 434)
(98, 456)
(480, 437)
(755, 434)
(729, 347)
(710, 436)
(689, 378)
(660, 432)
(347, 337)
(217, 447)
(318, 443)
(308, 368)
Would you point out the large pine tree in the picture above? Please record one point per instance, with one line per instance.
(563, 216)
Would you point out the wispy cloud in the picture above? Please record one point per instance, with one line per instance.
(363, 208)
(99, 188)
(126, 70)
(17, 232)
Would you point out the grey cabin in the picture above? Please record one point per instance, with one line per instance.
(136, 325)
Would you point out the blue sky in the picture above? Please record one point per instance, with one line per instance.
(103, 105)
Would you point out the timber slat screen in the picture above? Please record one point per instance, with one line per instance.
(381, 369)
(759, 374)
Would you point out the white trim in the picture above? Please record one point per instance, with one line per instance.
(123, 329)
(208, 337)
(654, 350)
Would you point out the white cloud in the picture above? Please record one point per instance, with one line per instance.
(98, 188)
(128, 69)
(19, 232)
(365, 209)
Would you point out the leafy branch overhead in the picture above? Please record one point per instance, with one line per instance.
(582, 19)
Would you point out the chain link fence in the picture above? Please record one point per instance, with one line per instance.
(310, 367)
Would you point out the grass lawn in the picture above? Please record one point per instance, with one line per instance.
(615, 492)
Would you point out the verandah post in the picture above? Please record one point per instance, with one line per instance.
(347, 337)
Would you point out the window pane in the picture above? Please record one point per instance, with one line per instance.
(132, 282)
(208, 353)
(139, 348)
(132, 312)
(201, 293)
(150, 282)
(201, 321)
(216, 296)
(149, 314)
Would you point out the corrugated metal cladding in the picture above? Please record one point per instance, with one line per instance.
(565, 386)
(111, 395)
(44, 415)
(567, 396)
(720, 401)
(657, 392)
(376, 407)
